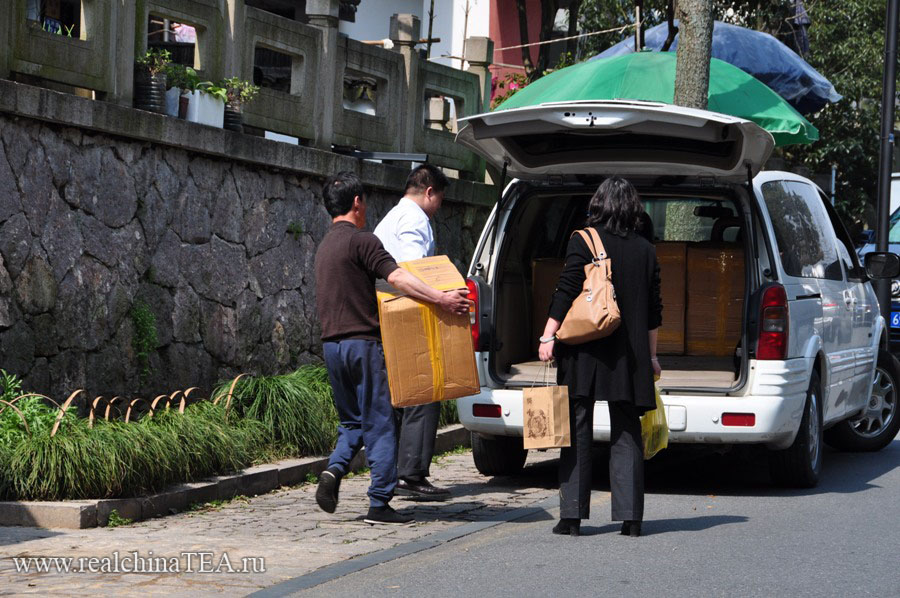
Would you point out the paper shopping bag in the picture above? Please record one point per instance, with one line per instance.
(546, 417)
(655, 429)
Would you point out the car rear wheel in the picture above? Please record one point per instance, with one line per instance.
(878, 424)
(799, 465)
(498, 455)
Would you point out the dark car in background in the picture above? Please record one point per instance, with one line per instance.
(893, 247)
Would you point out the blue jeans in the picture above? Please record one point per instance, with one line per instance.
(363, 402)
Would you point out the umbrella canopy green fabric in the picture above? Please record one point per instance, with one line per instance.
(650, 76)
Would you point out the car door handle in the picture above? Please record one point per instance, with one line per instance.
(848, 298)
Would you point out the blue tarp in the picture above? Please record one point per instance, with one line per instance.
(758, 54)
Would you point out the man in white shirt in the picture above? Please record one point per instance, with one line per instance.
(406, 234)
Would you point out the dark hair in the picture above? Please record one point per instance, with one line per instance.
(339, 191)
(615, 206)
(425, 176)
(645, 227)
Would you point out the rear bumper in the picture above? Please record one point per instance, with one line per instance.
(777, 393)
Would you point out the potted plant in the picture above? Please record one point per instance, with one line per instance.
(181, 81)
(238, 92)
(150, 80)
(359, 95)
(207, 105)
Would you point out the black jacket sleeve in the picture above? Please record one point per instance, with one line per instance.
(571, 281)
(654, 315)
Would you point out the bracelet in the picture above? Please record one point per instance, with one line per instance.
(654, 359)
(547, 339)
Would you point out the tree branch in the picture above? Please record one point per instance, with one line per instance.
(673, 30)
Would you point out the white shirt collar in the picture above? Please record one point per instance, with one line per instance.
(409, 204)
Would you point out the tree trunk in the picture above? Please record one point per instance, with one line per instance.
(572, 44)
(523, 38)
(548, 16)
(694, 49)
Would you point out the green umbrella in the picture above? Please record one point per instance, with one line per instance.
(650, 76)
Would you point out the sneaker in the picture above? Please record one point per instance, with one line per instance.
(327, 492)
(386, 514)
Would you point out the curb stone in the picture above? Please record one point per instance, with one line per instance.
(82, 514)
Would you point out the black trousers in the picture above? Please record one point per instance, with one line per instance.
(626, 462)
(418, 428)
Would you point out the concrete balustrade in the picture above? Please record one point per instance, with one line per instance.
(99, 63)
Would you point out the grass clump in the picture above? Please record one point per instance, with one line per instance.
(296, 409)
(449, 414)
(267, 417)
(122, 459)
(145, 338)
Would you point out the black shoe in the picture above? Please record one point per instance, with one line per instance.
(327, 492)
(631, 528)
(421, 490)
(571, 527)
(386, 514)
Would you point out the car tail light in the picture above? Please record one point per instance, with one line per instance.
(485, 410)
(473, 313)
(739, 419)
(773, 324)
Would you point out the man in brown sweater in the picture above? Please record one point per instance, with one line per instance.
(348, 261)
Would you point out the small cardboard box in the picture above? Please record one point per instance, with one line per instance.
(715, 298)
(544, 276)
(428, 351)
(672, 258)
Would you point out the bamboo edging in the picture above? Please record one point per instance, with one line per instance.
(152, 406)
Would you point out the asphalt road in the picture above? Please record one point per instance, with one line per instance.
(714, 526)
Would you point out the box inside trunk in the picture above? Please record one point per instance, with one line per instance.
(702, 275)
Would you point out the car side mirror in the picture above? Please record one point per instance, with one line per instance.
(882, 264)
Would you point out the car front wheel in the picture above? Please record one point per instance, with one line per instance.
(879, 422)
(498, 455)
(799, 465)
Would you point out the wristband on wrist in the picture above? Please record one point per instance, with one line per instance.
(547, 339)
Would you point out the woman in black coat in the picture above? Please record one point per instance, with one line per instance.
(618, 369)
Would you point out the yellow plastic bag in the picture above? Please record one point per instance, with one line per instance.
(655, 429)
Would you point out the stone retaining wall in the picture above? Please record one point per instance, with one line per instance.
(94, 226)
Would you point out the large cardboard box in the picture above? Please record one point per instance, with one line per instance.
(428, 352)
(672, 258)
(544, 276)
(715, 298)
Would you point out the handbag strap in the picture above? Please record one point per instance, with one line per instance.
(594, 243)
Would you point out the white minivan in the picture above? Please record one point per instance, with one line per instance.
(771, 330)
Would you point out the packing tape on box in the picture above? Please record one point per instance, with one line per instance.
(435, 352)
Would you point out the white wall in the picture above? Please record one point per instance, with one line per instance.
(373, 18)
(450, 25)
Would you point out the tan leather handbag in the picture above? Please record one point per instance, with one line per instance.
(594, 313)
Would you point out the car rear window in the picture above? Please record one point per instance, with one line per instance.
(692, 219)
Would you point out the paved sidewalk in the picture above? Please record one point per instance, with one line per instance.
(284, 527)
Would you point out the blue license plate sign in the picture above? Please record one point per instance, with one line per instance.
(895, 319)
